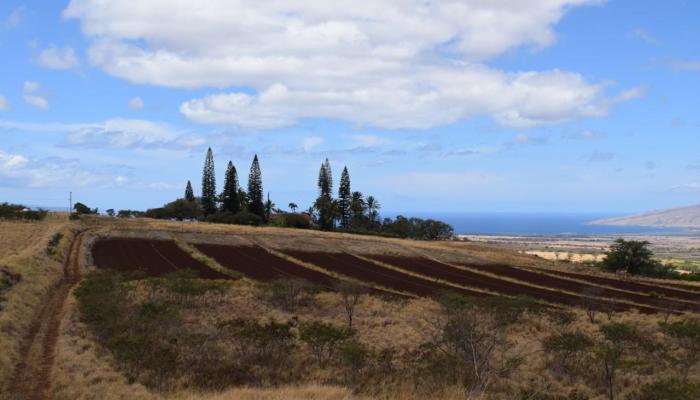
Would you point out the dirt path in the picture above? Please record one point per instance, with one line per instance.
(32, 379)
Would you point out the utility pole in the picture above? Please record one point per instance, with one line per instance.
(70, 202)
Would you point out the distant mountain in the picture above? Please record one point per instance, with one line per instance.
(682, 217)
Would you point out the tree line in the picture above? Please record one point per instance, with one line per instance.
(347, 211)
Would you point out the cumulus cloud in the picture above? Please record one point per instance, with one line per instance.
(390, 63)
(4, 104)
(20, 171)
(31, 96)
(136, 103)
(58, 58)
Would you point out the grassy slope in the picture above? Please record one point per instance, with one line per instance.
(23, 251)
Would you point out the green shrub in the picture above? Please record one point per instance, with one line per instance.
(322, 339)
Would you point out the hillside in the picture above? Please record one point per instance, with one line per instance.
(682, 217)
(153, 309)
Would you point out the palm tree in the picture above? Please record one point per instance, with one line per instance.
(293, 207)
(373, 208)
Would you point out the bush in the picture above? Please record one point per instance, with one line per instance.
(241, 218)
(296, 220)
(179, 209)
(53, 243)
(289, 293)
(7, 280)
(323, 339)
(567, 349)
(353, 355)
(669, 389)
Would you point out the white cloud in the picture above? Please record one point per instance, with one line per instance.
(643, 35)
(310, 142)
(389, 63)
(31, 97)
(523, 139)
(589, 135)
(122, 133)
(370, 140)
(686, 65)
(4, 104)
(19, 171)
(116, 133)
(58, 58)
(14, 19)
(136, 103)
(600, 156)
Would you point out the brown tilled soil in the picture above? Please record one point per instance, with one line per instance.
(632, 286)
(541, 279)
(257, 263)
(154, 257)
(32, 375)
(349, 265)
(448, 273)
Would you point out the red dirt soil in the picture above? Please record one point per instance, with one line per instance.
(448, 273)
(349, 265)
(256, 263)
(627, 285)
(154, 257)
(541, 279)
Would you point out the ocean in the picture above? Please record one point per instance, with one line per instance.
(537, 224)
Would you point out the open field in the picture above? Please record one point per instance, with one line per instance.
(153, 257)
(74, 357)
(258, 264)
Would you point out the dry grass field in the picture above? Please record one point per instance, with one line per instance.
(33, 252)
(175, 337)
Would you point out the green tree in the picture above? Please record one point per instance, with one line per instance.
(631, 256)
(255, 190)
(189, 193)
(293, 207)
(209, 185)
(229, 197)
(345, 199)
(324, 203)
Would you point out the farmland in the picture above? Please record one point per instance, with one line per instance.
(128, 294)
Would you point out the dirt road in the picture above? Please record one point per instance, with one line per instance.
(32, 379)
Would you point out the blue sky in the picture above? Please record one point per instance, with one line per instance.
(557, 105)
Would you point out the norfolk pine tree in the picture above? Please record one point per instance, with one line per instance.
(345, 199)
(209, 185)
(229, 197)
(255, 190)
(189, 193)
